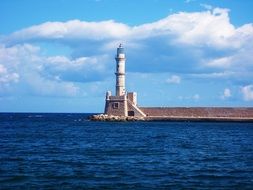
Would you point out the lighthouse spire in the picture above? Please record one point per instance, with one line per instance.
(120, 71)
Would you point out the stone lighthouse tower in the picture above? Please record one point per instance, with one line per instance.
(120, 71)
(122, 104)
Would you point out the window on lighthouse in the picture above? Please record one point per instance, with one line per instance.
(115, 105)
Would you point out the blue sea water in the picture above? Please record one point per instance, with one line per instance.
(67, 151)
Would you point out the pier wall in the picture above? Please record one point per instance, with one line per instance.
(204, 112)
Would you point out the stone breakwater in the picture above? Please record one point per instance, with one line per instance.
(104, 117)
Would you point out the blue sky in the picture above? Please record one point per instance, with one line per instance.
(58, 56)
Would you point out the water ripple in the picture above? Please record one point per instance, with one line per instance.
(66, 151)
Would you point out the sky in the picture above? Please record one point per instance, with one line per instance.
(58, 56)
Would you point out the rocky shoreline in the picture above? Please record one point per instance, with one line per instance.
(104, 117)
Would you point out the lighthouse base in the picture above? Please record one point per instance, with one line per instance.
(125, 105)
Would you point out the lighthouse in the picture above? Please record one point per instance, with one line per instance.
(120, 71)
(122, 103)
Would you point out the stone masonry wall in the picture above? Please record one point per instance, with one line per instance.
(131, 107)
(119, 110)
(198, 112)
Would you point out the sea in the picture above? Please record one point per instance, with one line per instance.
(67, 151)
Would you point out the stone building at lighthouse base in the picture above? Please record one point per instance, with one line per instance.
(125, 105)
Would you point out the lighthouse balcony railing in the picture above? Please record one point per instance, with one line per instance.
(119, 73)
(117, 98)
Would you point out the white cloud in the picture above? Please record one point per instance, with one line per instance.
(7, 77)
(64, 63)
(70, 30)
(189, 1)
(206, 29)
(206, 6)
(46, 87)
(174, 79)
(201, 44)
(226, 93)
(247, 92)
(10, 65)
(82, 69)
(190, 28)
(223, 62)
(12, 57)
(52, 75)
(199, 28)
